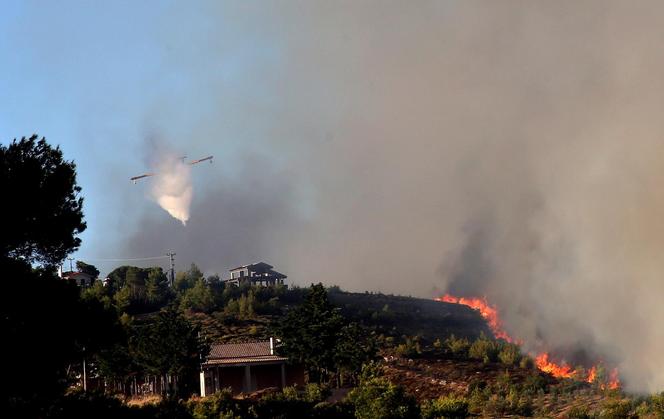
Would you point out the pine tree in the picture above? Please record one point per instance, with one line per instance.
(170, 346)
(309, 333)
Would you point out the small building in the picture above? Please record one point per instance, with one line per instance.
(247, 367)
(260, 273)
(82, 279)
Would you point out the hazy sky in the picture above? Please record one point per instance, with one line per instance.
(105, 80)
(510, 149)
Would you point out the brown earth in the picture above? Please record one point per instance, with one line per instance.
(431, 378)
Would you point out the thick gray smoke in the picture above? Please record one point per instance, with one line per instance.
(507, 149)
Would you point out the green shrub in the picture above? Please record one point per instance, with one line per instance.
(213, 405)
(409, 349)
(527, 362)
(229, 415)
(569, 386)
(377, 398)
(478, 398)
(370, 370)
(519, 404)
(533, 384)
(616, 409)
(510, 354)
(499, 399)
(292, 403)
(232, 307)
(315, 393)
(289, 393)
(457, 347)
(579, 412)
(503, 383)
(77, 404)
(656, 405)
(476, 384)
(325, 410)
(198, 298)
(483, 349)
(169, 408)
(511, 404)
(445, 407)
(437, 344)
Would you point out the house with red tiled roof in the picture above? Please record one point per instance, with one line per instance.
(247, 367)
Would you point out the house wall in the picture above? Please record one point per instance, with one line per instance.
(240, 273)
(232, 377)
(261, 377)
(265, 376)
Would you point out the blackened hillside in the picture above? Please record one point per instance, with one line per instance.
(399, 315)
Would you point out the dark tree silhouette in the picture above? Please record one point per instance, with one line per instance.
(87, 268)
(318, 336)
(46, 328)
(170, 347)
(42, 212)
(309, 332)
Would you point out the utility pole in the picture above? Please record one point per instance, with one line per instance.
(71, 269)
(85, 376)
(172, 256)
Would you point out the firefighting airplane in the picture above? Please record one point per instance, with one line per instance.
(144, 175)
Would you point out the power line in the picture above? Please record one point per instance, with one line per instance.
(121, 259)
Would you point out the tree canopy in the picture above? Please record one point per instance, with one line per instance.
(87, 268)
(317, 335)
(170, 346)
(44, 211)
(38, 312)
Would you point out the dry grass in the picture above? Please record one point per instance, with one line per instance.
(427, 379)
(143, 400)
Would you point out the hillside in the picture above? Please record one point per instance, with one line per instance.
(387, 315)
(498, 390)
(493, 389)
(399, 315)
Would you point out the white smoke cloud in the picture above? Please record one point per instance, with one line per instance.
(172, 188)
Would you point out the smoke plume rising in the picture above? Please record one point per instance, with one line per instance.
(172, 188)
(511, 150)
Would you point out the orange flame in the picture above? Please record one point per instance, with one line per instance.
(487, 311)
(542, 361)
(561, 371)
(614, 381)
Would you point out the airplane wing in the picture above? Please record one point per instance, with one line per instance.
(201, 160)
(135, 178)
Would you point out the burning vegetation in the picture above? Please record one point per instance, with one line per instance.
(559, 369)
